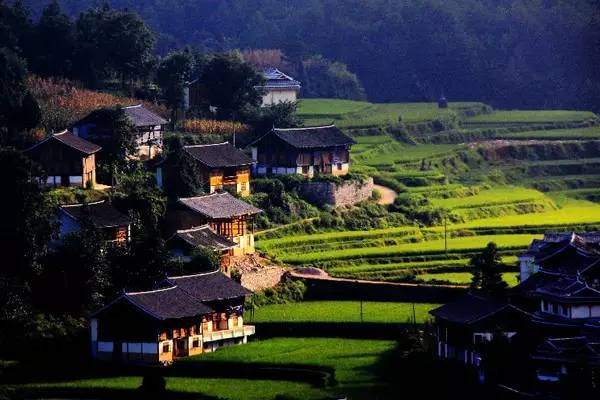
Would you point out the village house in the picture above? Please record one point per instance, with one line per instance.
(222, 167)
(184, 316)
(114, 225)
(68, 160)
(278, 88)
(464, 327)
(306, 151)
(148, 129)
(226, 215)
(183, 243)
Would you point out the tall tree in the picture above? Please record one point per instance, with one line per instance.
(27, 223)
(173, 73)
(487, 271)
(19, 111)
(51, 50)
(181, 173)
(231, 85)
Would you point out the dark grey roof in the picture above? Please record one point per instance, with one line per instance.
(312, 137)
(218, 155)
(469, 309)
(210, 286)
(219, 206)
(204, 236)
(168, 303)
(141, 116)
(102, 214)
(74, 142)
(275, 79)
(570, 290)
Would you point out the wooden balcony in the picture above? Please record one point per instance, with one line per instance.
(213, 336)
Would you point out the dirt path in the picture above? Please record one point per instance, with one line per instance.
(387, 195)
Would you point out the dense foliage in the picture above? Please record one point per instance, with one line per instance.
(509, 53)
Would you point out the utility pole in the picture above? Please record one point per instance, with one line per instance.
(361, 310)
(446, 233)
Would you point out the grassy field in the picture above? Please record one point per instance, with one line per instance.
(578, 133)
(464, 278)
(352, 359)
(341, 311)
(470, 243)
(358, 114)
(495, 196)
(530, 117)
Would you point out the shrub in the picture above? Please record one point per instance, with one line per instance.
(287, 291)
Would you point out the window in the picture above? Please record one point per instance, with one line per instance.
(165, 348)
(243, 186)
(305, 169)
(339, 166)
(196, 343)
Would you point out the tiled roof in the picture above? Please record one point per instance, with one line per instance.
(204, 236)
(570, 349)
(141, 116)
(219, 206)
(210, 286)
(218, 155)
(102, 214)
(168, 303)
(74, 142)
(570, 289)
(312, 137)
(275, 79)
(469, 309)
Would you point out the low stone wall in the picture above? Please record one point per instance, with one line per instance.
(343, 194)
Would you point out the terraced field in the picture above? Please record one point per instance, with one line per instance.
(547, 179)
(358, 114)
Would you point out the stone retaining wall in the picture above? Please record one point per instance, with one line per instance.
(330, 193)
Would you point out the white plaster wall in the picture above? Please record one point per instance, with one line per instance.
(580, 311)
(279, 96)
(106, 347)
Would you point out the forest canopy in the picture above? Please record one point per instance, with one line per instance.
(510, 53)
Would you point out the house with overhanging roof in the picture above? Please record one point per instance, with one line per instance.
(184, 316)
(114, 225)
(464, 327)
(226, 215)
(278, 87)
(183, 243)
(148, 127)
(68, 160)
(306, 151)
(222, 167)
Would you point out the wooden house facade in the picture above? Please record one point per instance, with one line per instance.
(226, 215)
(184, 242)
(114, 225)
(184, 316)
(222, 167)
(148, 126)
(306, 151)
(67, 159)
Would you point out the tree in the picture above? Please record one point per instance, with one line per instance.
(182, 175)
(487, 271)
(27, 223)
(19, 111)
(51, 50)
(231, 86)
(173, 73)
(280, 115)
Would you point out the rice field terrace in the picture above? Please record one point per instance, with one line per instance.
(543, 177)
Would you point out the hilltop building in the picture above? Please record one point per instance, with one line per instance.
(148, 125)
(226, 215)
(184, 316)
(67, 159)
(223, 167)
(114, 225)
(279, 87)
(306, 151)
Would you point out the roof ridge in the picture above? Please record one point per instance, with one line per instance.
(83, 204)
(193, 275)
(134, 106)
(63, 132)
(202, 196)
(150, 291)
(205, 145)
(194, 229)
(305, 128)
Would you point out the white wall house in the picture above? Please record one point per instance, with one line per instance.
(279, 88)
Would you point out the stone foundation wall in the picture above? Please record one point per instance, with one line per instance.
(329, 193)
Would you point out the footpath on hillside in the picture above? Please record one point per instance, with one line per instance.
(388, 196)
